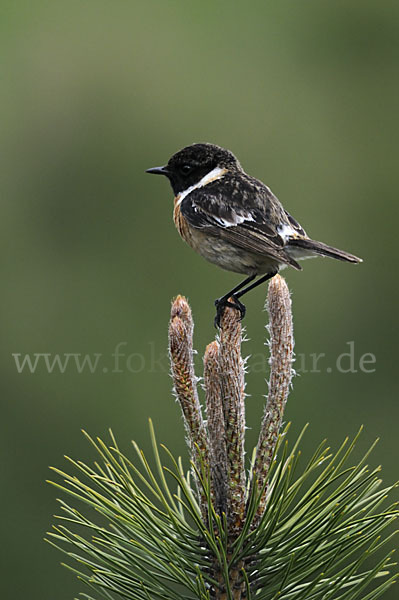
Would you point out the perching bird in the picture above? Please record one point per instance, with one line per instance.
(235, 221)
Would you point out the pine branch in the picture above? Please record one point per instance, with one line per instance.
(281, 357)
(216, 426)
(231, 375)
(181, 328)
(301, 533)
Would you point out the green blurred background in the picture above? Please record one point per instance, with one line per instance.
(93, 93)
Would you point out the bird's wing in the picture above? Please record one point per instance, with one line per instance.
(251, 218)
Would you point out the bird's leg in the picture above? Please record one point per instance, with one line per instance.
(235, 289)
(235, 294)
(254, 285)
(222, 302)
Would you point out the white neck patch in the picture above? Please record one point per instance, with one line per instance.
(216, 173)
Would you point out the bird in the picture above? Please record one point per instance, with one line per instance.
(235, 221)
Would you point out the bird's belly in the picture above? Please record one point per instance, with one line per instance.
(229, 257)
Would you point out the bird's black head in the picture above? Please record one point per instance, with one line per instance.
(188, 166)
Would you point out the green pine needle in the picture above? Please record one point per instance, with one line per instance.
(136, 536)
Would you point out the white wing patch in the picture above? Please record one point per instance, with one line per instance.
(235, 220)
(216, 173)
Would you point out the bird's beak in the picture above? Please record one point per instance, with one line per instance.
(158, 171)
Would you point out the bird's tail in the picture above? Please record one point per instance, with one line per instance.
(324, 250)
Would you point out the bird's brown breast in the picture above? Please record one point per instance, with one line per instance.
(181, 223)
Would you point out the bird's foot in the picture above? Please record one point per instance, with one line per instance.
(222, 303)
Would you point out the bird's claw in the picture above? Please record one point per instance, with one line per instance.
(222, 303)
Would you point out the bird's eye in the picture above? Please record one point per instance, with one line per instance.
(185, 169)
